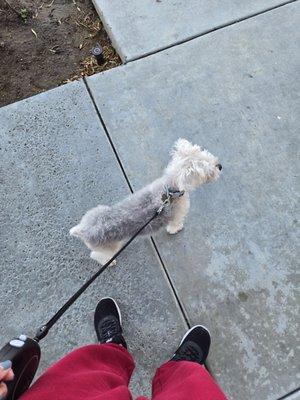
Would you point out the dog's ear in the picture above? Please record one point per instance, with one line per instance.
(184, 148)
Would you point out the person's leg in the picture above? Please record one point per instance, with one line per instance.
(91, 372)
(97, 372)
(184, 376)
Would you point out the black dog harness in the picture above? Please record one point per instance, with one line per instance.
(171, 194)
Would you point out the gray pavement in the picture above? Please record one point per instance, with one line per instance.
(235, 265)
(56, 163)
(140, 27)
(295, 396)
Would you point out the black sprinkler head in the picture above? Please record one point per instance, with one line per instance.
(97, 52)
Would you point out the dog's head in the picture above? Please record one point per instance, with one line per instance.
(192, 166)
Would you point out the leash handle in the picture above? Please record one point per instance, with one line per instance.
(25, 354)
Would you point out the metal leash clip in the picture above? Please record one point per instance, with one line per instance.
(166, 202)
(168, 196)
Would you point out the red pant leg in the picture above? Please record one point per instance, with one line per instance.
(94, 372)
(185, 380)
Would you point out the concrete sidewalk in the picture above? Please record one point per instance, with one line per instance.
(234, 267)
(141, 27)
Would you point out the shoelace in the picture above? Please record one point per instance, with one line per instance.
(189, 353)
(109, 329)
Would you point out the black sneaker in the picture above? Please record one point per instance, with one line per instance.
(194, 346)
(108, 322)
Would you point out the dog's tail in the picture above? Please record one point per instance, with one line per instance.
(76, 231)
(90, 227)
(87, 233)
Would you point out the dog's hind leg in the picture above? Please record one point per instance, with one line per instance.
(105, 253)
(180, 212)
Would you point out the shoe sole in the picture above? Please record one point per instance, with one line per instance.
(117, 307)
(190, 330)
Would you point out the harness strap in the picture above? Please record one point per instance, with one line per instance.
(171, 194)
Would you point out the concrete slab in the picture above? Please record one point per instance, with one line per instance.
(140, 27)
(234, 266)
(56, 163)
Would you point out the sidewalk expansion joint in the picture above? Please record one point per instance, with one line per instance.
(169, 280)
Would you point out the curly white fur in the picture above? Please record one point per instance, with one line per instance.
(105, 228)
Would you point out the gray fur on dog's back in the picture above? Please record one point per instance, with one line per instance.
(107, 224)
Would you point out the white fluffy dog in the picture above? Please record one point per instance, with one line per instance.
(104, 229)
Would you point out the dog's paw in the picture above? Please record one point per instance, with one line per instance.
(96, 256)
(173, 229)
(101, 259)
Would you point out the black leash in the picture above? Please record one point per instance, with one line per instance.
(44, 329)
(167, 197)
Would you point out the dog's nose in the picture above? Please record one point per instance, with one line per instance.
(219, 166)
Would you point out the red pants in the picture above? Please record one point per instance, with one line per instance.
(102, 372)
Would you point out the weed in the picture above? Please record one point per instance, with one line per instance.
(24, 15)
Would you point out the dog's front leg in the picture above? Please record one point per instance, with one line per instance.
(180, 212)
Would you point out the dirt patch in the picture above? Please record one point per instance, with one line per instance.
(45, 44)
